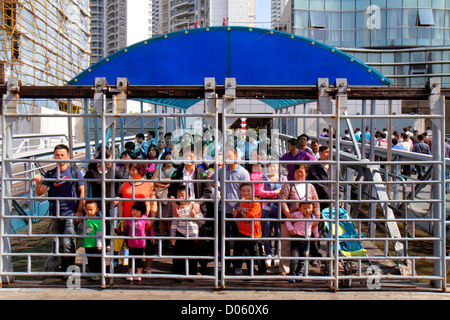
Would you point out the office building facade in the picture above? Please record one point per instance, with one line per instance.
(117, 24)
(405, 40)
(176, 15)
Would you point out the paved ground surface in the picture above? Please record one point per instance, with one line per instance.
(182, 304)
(113, 294)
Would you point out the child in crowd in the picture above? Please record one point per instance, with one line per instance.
(137, 232)
(187, 232)
(299, 231)
(93, 243)
(248, 229)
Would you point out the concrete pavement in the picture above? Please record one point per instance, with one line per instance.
(192, 295)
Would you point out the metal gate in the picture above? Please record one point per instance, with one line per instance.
(376, 195)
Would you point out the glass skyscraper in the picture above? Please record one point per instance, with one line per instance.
(405, 40)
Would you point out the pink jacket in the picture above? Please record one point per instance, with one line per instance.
(140, 227)
(300, 226)
(259, 187)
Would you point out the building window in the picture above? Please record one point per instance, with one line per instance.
(426, 17)
(418, 65)
(15, 47)
(317, 19)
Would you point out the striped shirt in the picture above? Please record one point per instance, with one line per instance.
(180, 225)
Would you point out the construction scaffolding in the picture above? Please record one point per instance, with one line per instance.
(44, 42)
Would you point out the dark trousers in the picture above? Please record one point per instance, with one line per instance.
(204, 247)
(406, 170)
(251, 248)
(94, 263)
(267, 227)
(420, 171)
(138, 262)
(231, 231)
(185, 247)
(299, 248)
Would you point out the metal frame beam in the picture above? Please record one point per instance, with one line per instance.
(242, 92)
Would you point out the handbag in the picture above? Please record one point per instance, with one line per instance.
(162, 193)
(121, 229)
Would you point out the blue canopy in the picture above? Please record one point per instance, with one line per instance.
(253, 56)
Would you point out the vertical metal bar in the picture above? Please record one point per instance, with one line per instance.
(97, 132)
(318, 122)
(9, 105)
(156, 120)
(373, 192)
(437, 106)
(142, 118)
(341, 107)
(335, 174)
(2, 189)
(223, 192)
(372, 131)
(229, 101)
(325, 106)
(304, 119)
(70, 127)
(216, 194)
(210, 107)
(122, 133)
(165, 124)
(363, 128)
(352, 135)
(103, 191)
(99, 104)
(87, 128)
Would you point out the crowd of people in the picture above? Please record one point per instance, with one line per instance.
(184, 211)
(406, 140)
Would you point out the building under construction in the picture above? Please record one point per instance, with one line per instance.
(44, 42)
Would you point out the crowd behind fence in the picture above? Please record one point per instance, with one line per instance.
(215, 203)
(214, 230)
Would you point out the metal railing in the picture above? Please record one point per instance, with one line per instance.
(386, 234)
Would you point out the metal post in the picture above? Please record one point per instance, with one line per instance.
(142, 118)
(87, 130)
(325, 106)
(373, 191)
(362, 140)
(70, 127)
(437, 106)
(119, 101)
(229, 105)
(10, 100)
(210, 107)
(352, 135)
(341, 108)
(99, 104)
(97, 131)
